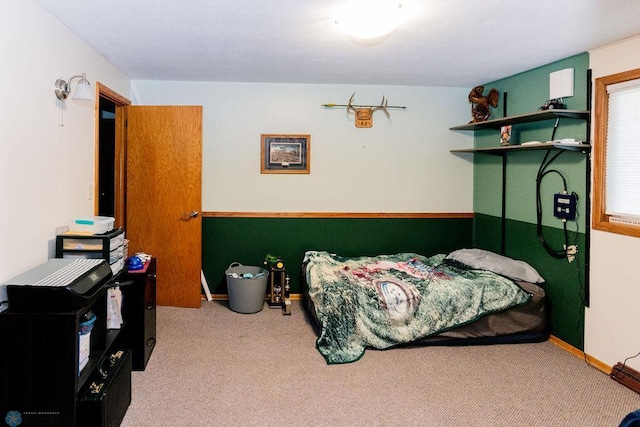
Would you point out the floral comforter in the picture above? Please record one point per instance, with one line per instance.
(387, 300)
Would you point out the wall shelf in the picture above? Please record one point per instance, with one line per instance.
(525, 118)
(501, 150)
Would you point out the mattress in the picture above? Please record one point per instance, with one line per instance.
(525, 323)
(521, 323)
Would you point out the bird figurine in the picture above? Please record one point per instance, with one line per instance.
(480, 110)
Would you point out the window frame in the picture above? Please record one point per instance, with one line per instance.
(600, 219)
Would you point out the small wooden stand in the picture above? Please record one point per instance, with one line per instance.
(276, 286)
(279, 287)
(279, 290)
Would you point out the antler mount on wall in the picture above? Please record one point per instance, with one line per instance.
(364, 113)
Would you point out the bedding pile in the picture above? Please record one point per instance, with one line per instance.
(387, 300)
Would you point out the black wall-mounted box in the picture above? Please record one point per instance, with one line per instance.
(564, 206)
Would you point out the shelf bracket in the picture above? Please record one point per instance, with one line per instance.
(503, 223)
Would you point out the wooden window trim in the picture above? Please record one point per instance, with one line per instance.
(600, 220)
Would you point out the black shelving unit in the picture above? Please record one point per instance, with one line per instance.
(502, 150)
(39, 377)
(139, 308)
(525, 118)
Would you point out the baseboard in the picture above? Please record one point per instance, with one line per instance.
(591, 361)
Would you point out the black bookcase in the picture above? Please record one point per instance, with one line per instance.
(39, 379)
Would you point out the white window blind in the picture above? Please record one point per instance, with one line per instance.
(622, 164)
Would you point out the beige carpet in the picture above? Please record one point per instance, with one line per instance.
(215, 367)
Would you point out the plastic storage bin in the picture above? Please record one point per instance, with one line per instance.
(109, 246)
(84, 347)
(93, 224)
(246, 294)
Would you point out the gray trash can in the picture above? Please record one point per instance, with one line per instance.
(246, 294)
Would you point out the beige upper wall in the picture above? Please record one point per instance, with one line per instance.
(401, 164)
(611, 321)
(46, 149)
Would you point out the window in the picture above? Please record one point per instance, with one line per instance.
(616, 206)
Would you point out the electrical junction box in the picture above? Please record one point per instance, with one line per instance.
(564, 206)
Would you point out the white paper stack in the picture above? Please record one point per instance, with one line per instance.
(114, 308)
(84, 350)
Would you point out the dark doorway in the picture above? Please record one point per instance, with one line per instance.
(107, 157)
(110, 181)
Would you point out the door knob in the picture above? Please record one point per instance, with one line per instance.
(189, 215)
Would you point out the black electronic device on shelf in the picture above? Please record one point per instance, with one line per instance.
(57, 285)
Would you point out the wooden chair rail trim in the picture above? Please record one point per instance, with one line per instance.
(410, 215)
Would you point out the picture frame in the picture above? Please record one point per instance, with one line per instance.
(505, 135)
(285, 153)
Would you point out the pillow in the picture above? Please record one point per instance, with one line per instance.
(505, 266)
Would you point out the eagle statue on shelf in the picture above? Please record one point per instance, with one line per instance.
(480, 110)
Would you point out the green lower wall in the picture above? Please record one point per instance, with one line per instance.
(565, 285)
(248, 240)
(565, 282)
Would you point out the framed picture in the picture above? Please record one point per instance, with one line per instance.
(505, 135)
(284, 153)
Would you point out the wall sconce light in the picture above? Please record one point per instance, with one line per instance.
(370, 19)
(83, 88)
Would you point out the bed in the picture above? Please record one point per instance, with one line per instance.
(469, 296)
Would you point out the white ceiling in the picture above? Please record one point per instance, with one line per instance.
(449, 43)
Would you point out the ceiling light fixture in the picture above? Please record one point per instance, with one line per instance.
(83, 88)
(370, 19)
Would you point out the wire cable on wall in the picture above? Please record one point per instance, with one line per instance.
(542, 172)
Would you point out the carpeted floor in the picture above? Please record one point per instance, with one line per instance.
(214, 367)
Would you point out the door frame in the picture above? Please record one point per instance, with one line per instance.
(120, 180)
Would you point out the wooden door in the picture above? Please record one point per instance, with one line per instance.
(164, 179)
